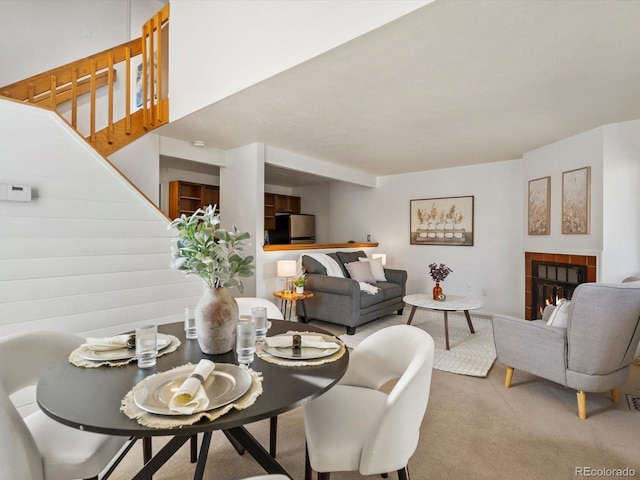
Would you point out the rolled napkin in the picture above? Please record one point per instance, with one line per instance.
(191, 395)
(310, 341)
(103, 344)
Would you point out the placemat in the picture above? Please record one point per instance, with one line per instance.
(78, 361)
(131, 410)
(302, 363)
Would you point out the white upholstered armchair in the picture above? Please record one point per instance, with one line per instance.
(356, 427)
(592, 353)
(37, 447)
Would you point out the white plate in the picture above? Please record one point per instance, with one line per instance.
(303, 353)
(225, 384)
(121, 353)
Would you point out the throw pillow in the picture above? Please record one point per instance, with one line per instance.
(376, 268)
(560, 315)
(360, 272)
(348, 257)
(311, 265)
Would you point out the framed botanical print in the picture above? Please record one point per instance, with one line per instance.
(576, 201)
(539, 206)
(441, 221)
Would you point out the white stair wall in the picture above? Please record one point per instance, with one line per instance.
(89, 254)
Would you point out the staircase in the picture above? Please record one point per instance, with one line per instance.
(108, 124)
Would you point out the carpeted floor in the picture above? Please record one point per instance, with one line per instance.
(474, 429)
(469, 354)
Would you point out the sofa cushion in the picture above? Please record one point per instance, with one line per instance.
(376, 268)
(311, 265)
(361, 272)
(367, 300)
(389, 290)
(560, 315)
(334, 255)
(348, 257)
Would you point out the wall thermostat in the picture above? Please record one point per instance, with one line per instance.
(15, 193)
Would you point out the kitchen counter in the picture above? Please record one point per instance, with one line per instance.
(316, 246)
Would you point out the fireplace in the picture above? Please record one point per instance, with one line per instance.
(550, 277)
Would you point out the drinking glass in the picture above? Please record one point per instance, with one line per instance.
(190, 322)
(246, 340)
(259, 315)
(147, 345)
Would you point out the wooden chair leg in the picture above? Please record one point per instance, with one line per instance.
(582, 404)
(615, 395)
(324, 475)
(509, 377)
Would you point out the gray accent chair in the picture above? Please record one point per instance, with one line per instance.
(340, 301)
(592, 354)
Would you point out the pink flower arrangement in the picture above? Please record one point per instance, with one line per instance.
(439, 272)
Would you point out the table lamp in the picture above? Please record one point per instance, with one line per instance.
(287, 269)
(381, 256)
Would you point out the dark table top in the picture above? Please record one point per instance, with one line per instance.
(90, 398)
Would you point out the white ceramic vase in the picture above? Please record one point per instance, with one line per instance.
(216, 320)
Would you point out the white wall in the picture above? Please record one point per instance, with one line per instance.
(494, 264)
(613, 153)
(316, 166)
(242, 200)
(140, 163)
(242, 43)
(582, 150)
(316, 200)
(89, 254)
(38, 35)
(621, 200)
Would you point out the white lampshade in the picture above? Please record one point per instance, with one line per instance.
(381, 256)
(287, 268)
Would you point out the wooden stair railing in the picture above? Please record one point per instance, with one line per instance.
(68, 83)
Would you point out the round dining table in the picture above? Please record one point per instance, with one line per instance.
(89, 398)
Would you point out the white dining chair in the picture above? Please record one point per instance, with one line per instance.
(245, 304)
(37, 447)
(356, 427)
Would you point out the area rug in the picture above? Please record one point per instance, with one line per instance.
(469, 354)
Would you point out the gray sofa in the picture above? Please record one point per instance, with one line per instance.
(339, 300)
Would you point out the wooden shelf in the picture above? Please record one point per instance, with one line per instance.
(186, 197)
(317, 246)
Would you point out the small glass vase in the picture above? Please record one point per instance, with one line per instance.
(437, 291)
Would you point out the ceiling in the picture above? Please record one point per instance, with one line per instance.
(454, 83)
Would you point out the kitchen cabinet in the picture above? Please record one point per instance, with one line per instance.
(287, 204)
(187, 197)
(277, 203)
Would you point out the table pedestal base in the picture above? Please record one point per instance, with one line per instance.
(239, 437)
(446, 322)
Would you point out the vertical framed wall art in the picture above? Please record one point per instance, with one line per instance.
(539, 206)
(576, 201)
(442, 221)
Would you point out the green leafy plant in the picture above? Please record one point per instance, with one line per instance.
(216, 255)
(300, 281)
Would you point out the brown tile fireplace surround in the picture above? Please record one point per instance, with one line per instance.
(560, 269)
